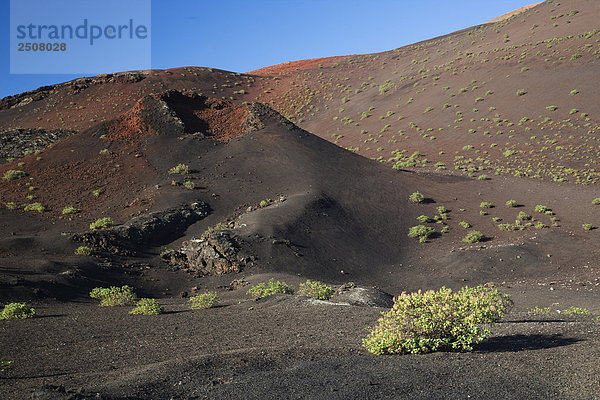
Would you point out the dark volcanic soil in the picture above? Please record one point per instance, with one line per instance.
(283, 202)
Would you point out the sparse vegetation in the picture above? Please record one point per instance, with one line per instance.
(147, 306)
(114, 296)
(269, 288)
(437, 320)
(189, 185)
(473, 237)
(423, 218)
(541, 209)
(523, 216)
(17, 311)
(70, 210)
(203, 300)
(83, 251)
(416, 197)
(316, 290)
(102, 223)
(420, 231)
(511, 203)
(596, 201)
(35, 207)
(465, 224)
(486, 204)
(182, 169)
(587, 227)
(13, 174)
(576, 310)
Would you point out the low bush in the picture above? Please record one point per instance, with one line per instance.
(83, 251)
(437, 320)
(5, 365)
(35, 207)
(423, 218)
(265, 289)
(596, 201)
(465, 224)
(182, 169)
(204, 300)
(523, 216)
(70, 210)
(420, 231)
(541, 209)
(147, 306)
(13, 174)
(17, 311)
(486, 204)
(102, 223)
(511, 203)
(114, 296)
(316, 290)
(416, 197)
(587, 227)
(473, 237)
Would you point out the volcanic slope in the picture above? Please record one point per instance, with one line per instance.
(513, 97)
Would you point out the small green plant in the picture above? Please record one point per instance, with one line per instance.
(35, 207)
(465, 224)
(596, 201)
(204, 300)
(114, 296)
(541, 209)
(511, 203)
(437, 320)
(264, 203)
(416, 197)
(540, 225)
(182, 169)
(316, 290)
(11, 205)
(473, 237)
(506, 227)
(424, 219)
(189, 185)
(5, 366)
(147, 306)
(17, 311)
(219, 226)
(265, 289)
(576, 310)
(97, 192)
(442, 210)
(523, 216)
(482, 177)
(485, 204)
(83, 251)
(102, 223)
(70, 210)
(13, 174)
(587, 227)
(421, 231)
(538, 310)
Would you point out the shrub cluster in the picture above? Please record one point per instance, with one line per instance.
(265, 289)
(437, 320)
(13, 174)
(147, 306)
(420, 231)
(473, 237)
(204, 300)
(114, 296)
(416, 197)
(316, 290)
(102, 223)
(17, 311)
(182, 169)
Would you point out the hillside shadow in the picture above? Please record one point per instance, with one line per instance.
(523, 342)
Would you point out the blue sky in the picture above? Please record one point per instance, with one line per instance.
(242, 36)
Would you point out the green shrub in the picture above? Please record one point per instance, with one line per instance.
(11, 205)
(596, 201)
(13, 174)
(416, 197)
(70, 210)
(182, 169)
(576, 310)
(485, 204)
(17, 311)
(511, 203)
(102, 223)
(420, 231)
(473, 237)
(264, 203)
(587, 227)
(265, 289)
(523, 216)
(35, 207)
(114, 296)
(437, 320)
(189, 185)
(316, 290)
(147, 306)
(5, 365)
(442, 210)
(423, 218)
(204, 300)
(541, 209)
(540, 225)
(83, 251)
(465, 224)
